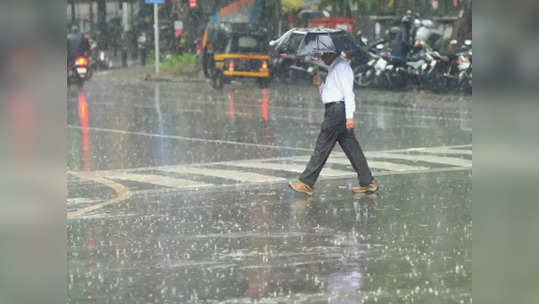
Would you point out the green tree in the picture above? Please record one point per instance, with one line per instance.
(367, 5)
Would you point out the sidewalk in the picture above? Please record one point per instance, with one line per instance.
(135, 72)
(147, 73)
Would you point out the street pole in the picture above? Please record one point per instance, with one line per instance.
(73, 12)
(156, 31)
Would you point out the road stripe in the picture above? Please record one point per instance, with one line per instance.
(241, 176)
(441, 150)
(156, 180)
(265, 184)
(293, 158)
(285, 167)
(380, 165)
(460, 162)
(122, 194)
(341, 159)
(174, 184)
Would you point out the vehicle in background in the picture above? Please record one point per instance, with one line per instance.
(235, 51)
(459, 73)
(346, 24)
(79, 71)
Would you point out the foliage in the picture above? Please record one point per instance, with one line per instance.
(366, 3)
(178, 63)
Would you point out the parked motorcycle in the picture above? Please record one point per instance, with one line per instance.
(366, 74)
(424, 66)
(460, 70)
(383, 70)
(396, 71)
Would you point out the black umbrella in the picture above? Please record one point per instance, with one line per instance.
(314, 41)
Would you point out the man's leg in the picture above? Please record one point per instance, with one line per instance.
(353, 151)
(324, 144)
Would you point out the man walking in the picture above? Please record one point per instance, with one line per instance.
(338, 126)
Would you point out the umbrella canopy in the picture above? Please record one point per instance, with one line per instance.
(314, 41)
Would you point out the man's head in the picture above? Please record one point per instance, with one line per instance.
(329, 57)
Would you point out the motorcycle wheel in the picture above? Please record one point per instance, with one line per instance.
(468, 82)
(363, 77)
(437, 81)
(217, 80)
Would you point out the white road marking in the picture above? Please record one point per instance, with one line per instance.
(441, 150)
(156, 180)
(380, 165)
(245, 177)
(286, 167)
(264, 184)
(452, 161)
(341, 159)
(234, 171)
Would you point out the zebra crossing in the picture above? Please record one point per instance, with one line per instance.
(272, 170)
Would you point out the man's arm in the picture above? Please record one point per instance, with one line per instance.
(346, 80)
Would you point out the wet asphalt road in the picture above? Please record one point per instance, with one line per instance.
(177, 194)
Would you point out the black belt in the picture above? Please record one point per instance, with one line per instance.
(330, 104)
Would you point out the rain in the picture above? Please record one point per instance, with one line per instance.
(178, 178)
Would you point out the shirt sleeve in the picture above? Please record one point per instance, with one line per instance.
(346, 83)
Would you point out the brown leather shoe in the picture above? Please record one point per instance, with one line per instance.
(372, 187)
(301, 187)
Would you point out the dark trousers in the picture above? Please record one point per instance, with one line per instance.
(334, 130)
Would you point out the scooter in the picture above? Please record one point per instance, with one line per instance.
(79, 71)
(365, 68)
(462, 67)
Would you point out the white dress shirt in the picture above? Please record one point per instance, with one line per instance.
(339, 85)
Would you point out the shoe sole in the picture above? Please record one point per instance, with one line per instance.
(302, 191)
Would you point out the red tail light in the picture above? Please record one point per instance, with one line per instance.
(282, 55)
(231, 65)
(264, 65)
(295, 62)
(81, 61)
(457, 61)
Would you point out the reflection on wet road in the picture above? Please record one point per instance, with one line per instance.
(177, 194)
